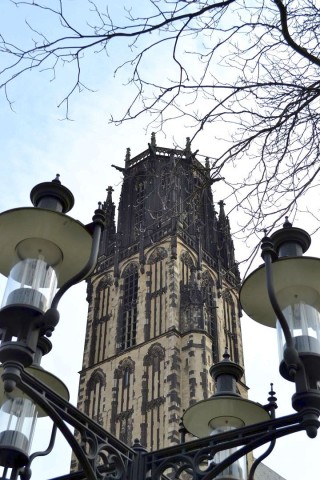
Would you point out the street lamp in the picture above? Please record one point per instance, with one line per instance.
(19, 413)
(285, 294)
(225, 411)
(43, 253)
(42, 249)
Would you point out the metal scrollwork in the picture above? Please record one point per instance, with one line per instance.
(108, 464)
(100, 454)
(104, 457)
(185, 467)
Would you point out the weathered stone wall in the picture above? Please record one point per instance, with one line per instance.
(141, 391)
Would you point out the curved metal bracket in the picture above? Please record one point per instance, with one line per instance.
(267, 257)
(257, 462)
(192, 456)
(88, 268)
(290, 354)
(95, 445)
(48, 449)
(55, 417)
(101, 455)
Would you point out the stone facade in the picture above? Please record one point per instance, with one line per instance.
(163, 301)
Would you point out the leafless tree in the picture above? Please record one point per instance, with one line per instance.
(250, 66)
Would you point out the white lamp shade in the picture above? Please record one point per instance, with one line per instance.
(65, 234)
(202, 417)
(50, 380)
(293, 278)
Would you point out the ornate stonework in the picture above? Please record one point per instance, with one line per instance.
(163, 301)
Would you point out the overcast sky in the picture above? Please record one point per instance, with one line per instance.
(36, 144)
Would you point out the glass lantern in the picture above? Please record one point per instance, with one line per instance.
(220, 414)
(300, 306)
(33, 279)
(238, 469)
(18, 415)
(297, 290)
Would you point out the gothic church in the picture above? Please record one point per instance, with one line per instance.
(163, 299)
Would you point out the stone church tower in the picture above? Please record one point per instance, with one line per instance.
(162, 300)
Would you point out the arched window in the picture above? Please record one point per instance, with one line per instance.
(128, 311)
(152, 428)
(210, 311)
(122, 406)
(101, 315)
(95, 396)
(157, 287)
(187, 265)
(230, 327)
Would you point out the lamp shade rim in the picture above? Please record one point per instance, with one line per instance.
(197, 417)
(286, 272)
(28, 222)
(47, 378)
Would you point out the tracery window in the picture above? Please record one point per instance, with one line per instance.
(122, 411)
(101, 315)
(187, 266)
(230, 327)
(128, 312)
(210, 311)
(152, 429)
(156, 292)
(95, 396)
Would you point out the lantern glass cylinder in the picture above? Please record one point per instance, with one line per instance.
(301, 308)
(238, 469)
(297, 290)
(18, 415)
(33, 279)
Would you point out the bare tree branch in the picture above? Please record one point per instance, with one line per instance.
(247, 71)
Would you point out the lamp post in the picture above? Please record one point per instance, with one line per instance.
(285, 294)
(43, 253)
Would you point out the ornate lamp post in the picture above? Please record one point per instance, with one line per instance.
(225, 411)
(42, 250)
(38, 255)
(285, 294)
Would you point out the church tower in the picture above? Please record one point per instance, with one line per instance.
(163, 299)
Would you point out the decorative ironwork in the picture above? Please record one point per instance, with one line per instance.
(104, 457)
(195, 460)
(93, 446)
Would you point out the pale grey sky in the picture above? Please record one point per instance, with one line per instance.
(36, 144)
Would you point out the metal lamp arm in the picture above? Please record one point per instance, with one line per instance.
(290, 354)
(119, 459)
(257, 462)
(267, 257)
(255, 443)
(48, 449)
(102, 445)
(58, 421)
(190, 455)
(88, 268)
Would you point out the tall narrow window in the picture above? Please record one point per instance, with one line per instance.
(102, 313)
(128, 312)
(122, 413)
(230, 327)
(152, 429)
(210, 311)
(187, 266)
(95, 396)
(156, 294)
